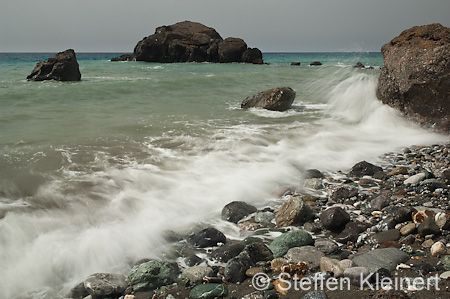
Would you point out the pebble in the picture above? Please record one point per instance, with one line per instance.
(410, 228)
(438, 249)
(308, 254)
(337, 267)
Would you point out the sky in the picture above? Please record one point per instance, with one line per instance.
(271, 26)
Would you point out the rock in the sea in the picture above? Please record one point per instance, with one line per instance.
(63, 67)
(334, 218)
(387, 258)
(286, 241)
(359, 65)
(208, 237)
(293, 211)
(364, 168)
(153, 274)
(193, 42)
(209, 291)
(228, 251)
(236, 210)
(415, 75)
(105, 284)
(315, 63)
(276, 99)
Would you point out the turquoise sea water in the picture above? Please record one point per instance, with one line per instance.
(93, 172)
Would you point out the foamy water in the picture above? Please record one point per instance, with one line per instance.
(130, 162)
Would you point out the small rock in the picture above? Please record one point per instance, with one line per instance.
(283, 243)
(438, 249)
(367, 183)
(359, 65)
(335, 266)
(326, 246)
(313, 174)
(364, 168)
(194, 275)
(236, 210)
(293, 211)
(264, 217)
(442, 220)
(312, 227)
(403, 214)
(209, 291)
(410, 228)
(314, 183)
(445, 275)
(385, 236)
(445, 261)
(334, 218)
(351, 232)
(415, 179)
(338, 193)
(428, 227)
(105, 284)
(208, 237)
(295, 63)
(428, 243)
(253, 271)
(308, 254)
(355, 274)
(153, 274)
(226, 252)
(390, 294)
(398, 170)
(315, 63)
(277, 263)
(379, 202)
(276, 99)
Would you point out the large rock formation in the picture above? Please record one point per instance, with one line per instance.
(63, 67)
(415, 77)
(276, 99)
(192, 42)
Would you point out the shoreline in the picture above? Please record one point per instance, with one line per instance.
(375, 201)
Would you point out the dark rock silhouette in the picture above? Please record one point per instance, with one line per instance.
(63, 67)
(191, 42)
(415, 77)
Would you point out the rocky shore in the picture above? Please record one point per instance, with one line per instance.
(367, 228)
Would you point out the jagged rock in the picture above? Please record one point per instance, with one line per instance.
(334, 218)
(192, 42)
(276, 99)
(338, 193)
(415, 77)
(63, 67)
(364, 168)
(359, 65)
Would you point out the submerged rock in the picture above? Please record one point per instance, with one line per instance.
(276, 99)
(63, 67)
(364, 168)
(415, 75)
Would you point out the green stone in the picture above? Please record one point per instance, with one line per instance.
(209, 291)
(152, 275)
(286, 241)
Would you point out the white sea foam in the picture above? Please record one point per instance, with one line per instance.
(113, 210)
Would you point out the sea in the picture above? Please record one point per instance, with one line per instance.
(94, 174)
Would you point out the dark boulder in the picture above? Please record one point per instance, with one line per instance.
(315, 63)
(236, 210)
(63, 67)
(207, 238)
(276, 99)
(124, 57)
(192, 42)
(415, 77)
(364, 168)
(359, 65)
(334, 218)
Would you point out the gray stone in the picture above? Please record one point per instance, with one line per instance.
(387, 258)
(336, 266)
(283, 243)
(194, 275)
(379, 202)
(385, 236)
(153, 274)
(105, 284)
(326, 246)
(307, 254)
(207, 237)
(338, 193)
(313, 183)
(428, 227)
(264, 217)
(228, 251)
(236, 267)
(355, 274)
(415, 179)
(364, 168)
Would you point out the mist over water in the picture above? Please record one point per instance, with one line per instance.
(93, 173)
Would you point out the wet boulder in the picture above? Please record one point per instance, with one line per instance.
(276, 99)
(236, 210)
(63, 67)
(207, 237)
(415, 77)
(152, 275)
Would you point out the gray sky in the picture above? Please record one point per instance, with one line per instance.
(270, 25)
